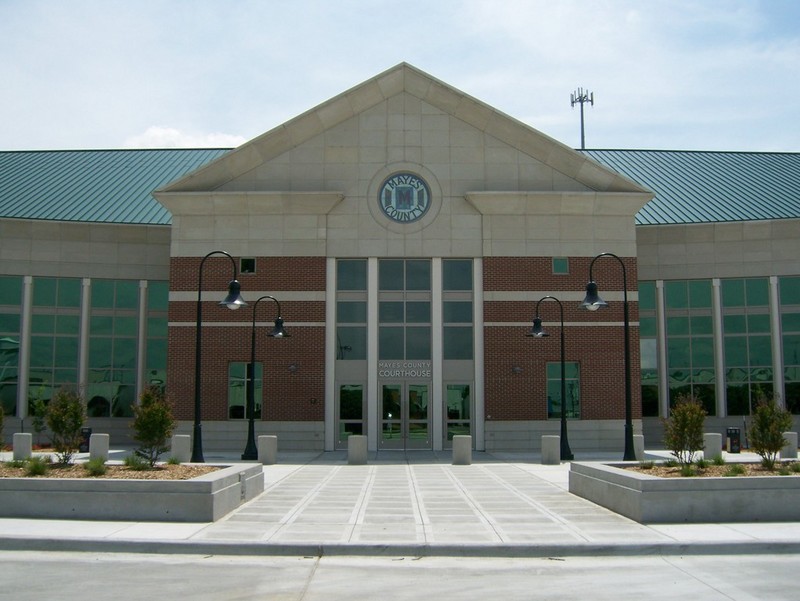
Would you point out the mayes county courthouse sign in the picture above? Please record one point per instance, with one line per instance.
(404, 369)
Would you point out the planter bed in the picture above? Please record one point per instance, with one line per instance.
(205, 498)
(649, 499)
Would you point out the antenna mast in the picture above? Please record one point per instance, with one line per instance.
(581, 96)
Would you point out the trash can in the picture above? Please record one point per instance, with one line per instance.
(733, 440)
(86, 435)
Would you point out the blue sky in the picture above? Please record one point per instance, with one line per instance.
(666, 74)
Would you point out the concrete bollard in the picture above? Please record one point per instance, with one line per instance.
(181, 448)
(638, 447)
(551, 449)
(357, 449)
(462, 449)
(712, 445)
(268, 449)
(98, 446)
(23, 445)
(789, 451)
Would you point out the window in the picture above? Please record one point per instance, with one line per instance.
(247, 265)
(648, 349)
(10, 302)
(747, 343)
(572, 387)
(351, 412)
(55, 326)
(113, 335)
(458, 410)
(560, 265)
(457, 335)
(690, 341)
(351, 274)
(404, 309)
(156, 341)
(790, 329)
(238, 375)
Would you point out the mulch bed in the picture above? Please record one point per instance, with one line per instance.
(77, 470)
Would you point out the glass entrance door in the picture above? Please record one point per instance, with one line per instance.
(405, 416)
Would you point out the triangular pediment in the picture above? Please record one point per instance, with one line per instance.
(398, 81)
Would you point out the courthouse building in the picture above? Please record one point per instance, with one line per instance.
(408, 234)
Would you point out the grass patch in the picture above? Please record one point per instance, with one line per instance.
(96, 467)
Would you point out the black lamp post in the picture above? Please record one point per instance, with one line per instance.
(538, 332)
(250, 449)
(593, 302)
(234, 300)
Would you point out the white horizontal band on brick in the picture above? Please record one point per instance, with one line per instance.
(247, 324)
(576, 296)
(551, 323)
(249, 295)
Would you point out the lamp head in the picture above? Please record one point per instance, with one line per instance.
(278, 331)
(537, 331)
(234, 299)
(592, 301)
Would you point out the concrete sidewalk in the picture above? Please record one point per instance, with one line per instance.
(409, 504)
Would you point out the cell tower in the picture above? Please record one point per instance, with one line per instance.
(581, 96)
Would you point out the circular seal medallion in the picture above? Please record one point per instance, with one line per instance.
(404, 197)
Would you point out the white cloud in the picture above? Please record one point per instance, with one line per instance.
(157, 136)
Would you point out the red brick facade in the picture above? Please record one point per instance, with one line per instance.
(300, 395)
(599, 349)
(288, 395)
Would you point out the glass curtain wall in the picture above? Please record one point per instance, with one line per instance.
(690, 341)
(790, 329)
(648, 348)
(747, 341)
(10, 302)
(55, 329)
(113, 333)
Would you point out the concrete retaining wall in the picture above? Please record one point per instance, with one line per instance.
(650, 499)
(206, 498)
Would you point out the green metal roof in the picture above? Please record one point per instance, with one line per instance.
(704, 187)
(115, 186)
(109, 186)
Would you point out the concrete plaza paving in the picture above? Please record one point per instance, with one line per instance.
(415, 503)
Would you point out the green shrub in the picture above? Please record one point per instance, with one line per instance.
(173, 461)
(66, 413)
(683, 430)
(37, 466)
(688, 470)
(794, 466)
(735, 469)
(96, 466)
(783, 470)
(647, 465)
(16, 463)
(38, 416)
(718, 460)
(153, 423)
(672, 462)
(702, 463)
(136, 463)
(769, 422)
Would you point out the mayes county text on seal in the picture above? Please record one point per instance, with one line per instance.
(404, 197)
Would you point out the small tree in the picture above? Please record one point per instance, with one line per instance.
(153, 423)
(38, 416)
(768, 424)
(65, 416)
(683, 430)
